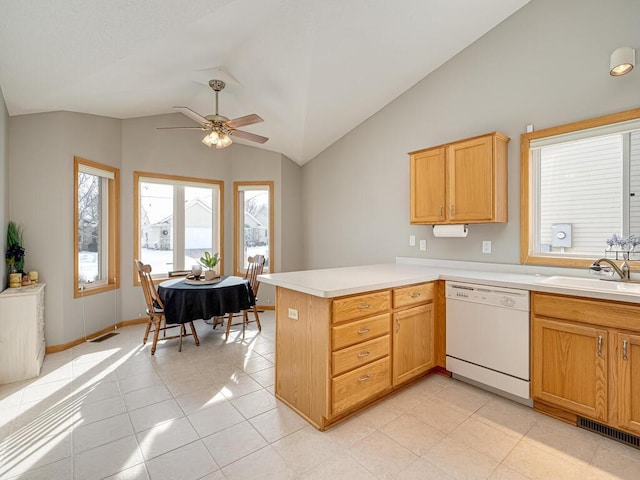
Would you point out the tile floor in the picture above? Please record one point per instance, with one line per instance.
(110, 410)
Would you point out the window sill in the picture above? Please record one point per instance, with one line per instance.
(94, 290)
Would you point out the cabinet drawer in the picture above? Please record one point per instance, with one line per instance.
(412, 295)
(361, 384)
(360, 354)
(361, 306)
(360, 331)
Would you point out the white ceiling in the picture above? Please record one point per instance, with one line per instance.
(312, 69)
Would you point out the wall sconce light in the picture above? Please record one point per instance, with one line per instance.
(623, 60)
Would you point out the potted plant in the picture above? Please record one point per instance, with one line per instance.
(15, 250)
(210, 262)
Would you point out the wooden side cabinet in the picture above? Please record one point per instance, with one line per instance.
(586, 360)
(22, 343)
(570, 366)
(460, 182)
(413, 332)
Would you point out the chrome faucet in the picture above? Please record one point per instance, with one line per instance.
(623, 271)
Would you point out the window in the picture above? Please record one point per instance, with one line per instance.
(253, 224)
(580, 185)
(177, 220)
(97, 220)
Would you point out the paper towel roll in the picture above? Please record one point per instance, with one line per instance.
(450, 231)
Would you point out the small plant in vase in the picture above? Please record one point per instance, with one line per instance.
(15, 251)
(210, 262)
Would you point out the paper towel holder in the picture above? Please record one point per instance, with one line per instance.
(451, 230)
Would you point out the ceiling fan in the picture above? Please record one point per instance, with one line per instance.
(220, 128)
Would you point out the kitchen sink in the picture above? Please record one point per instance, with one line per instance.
(593, 284)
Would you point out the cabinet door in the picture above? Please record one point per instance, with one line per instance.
(428, 186)
(413, 343)
(570, 367)
(628, 360)
(470, 183)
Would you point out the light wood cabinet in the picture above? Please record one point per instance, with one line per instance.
(628, 359)
(460, 182)
(22, 343)
(336, 356)
(570, 366)
(586, 359)
(413, 343)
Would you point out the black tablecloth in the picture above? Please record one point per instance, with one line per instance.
(184, 302)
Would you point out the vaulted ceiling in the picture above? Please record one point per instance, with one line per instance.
(312, 69)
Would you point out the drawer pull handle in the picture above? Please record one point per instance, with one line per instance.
(362, 331)
(441, 211)
(600, 338)
(363, 354)
(364, 379)
(624, 349)
(363, 306)
(415, 295)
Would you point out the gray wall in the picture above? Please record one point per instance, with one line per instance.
(4, 187)
(41, 155)
(546, 65)
(41, 151)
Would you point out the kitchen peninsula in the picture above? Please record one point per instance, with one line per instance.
(347, 337)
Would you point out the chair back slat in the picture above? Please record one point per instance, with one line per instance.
(256, 267)
(148, 287)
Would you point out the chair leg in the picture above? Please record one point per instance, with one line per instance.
(255, 314)
(229, 319)
(182, 331)
(195, 335)
(146, 332)
(155, 335)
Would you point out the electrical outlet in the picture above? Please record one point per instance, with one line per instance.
(293, 314)
(423, 245)
(486, 246)
(412, 240)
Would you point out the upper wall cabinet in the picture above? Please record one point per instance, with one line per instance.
(460, 182)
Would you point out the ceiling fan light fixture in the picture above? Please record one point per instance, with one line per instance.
(224, 141)
(211, 139)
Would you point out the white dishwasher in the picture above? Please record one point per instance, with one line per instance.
(488, 336)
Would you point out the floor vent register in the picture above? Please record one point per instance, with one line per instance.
(609, 432)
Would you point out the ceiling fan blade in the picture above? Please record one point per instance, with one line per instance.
(203, 128)
(248, 136)
(196, 117)
(244, 121)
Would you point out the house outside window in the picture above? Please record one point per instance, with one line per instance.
(253, 224)
(580, 186)
(96, 220)
(177, 220)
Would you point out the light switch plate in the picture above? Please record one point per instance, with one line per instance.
(486, 246)
(293, 314)
(412, 240)
(423, 245)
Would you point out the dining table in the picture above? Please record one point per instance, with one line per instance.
(185, 301)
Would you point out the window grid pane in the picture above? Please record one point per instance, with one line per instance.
(255, 220)
(91, 193)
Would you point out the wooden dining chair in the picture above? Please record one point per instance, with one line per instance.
(255, 268)
(155, 310)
